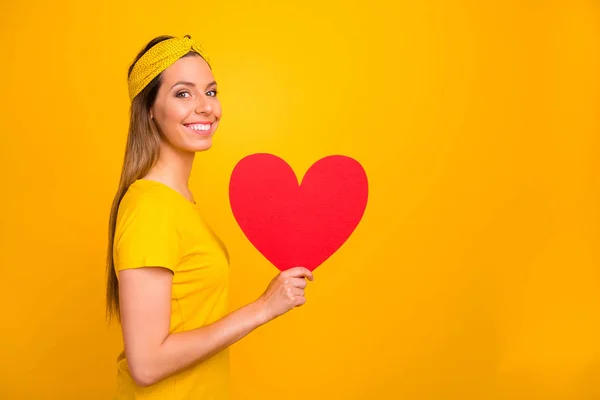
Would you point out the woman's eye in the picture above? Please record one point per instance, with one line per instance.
(212, 93)
(183, 94)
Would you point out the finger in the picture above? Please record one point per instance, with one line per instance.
(292, 291)
(300, 300)
(298, 282)
(300, 272)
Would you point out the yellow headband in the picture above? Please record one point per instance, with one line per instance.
(160, 57)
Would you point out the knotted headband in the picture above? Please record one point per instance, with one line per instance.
(160, 57)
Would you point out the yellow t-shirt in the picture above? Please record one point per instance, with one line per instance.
(157, 226)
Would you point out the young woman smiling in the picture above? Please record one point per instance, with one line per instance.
(167, 270)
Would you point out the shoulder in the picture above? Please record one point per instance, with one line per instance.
(146, 198)
(148, 228)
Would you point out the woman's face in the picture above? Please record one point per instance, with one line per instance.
(186, 109)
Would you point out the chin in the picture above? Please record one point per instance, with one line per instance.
(206, 145)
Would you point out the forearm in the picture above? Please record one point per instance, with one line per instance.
(183, 349)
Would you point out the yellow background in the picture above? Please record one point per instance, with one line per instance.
(475, 271)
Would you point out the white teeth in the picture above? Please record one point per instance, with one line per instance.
(199, 127)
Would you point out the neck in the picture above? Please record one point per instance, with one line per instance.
(173, 168)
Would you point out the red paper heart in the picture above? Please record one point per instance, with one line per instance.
(297, 225)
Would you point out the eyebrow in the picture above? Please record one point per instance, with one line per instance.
(213, 83)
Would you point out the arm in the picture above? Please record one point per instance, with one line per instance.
(154, 354)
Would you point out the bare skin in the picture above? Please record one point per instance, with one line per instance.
(145, 293)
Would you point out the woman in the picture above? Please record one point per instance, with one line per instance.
(167, 271)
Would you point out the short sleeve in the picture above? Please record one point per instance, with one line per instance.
(146, 235)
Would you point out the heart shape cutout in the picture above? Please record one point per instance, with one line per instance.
(293, 224)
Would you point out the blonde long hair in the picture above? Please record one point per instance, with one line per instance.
(141, 153)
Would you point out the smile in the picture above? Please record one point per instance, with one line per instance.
(199, 127)
(203, 129)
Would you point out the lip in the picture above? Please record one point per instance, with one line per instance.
(201, 133)
(199, 122)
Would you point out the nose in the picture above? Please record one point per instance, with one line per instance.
(203, 106)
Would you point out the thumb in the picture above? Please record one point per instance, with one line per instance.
(300, 272)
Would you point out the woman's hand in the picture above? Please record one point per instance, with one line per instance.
(285, 292)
